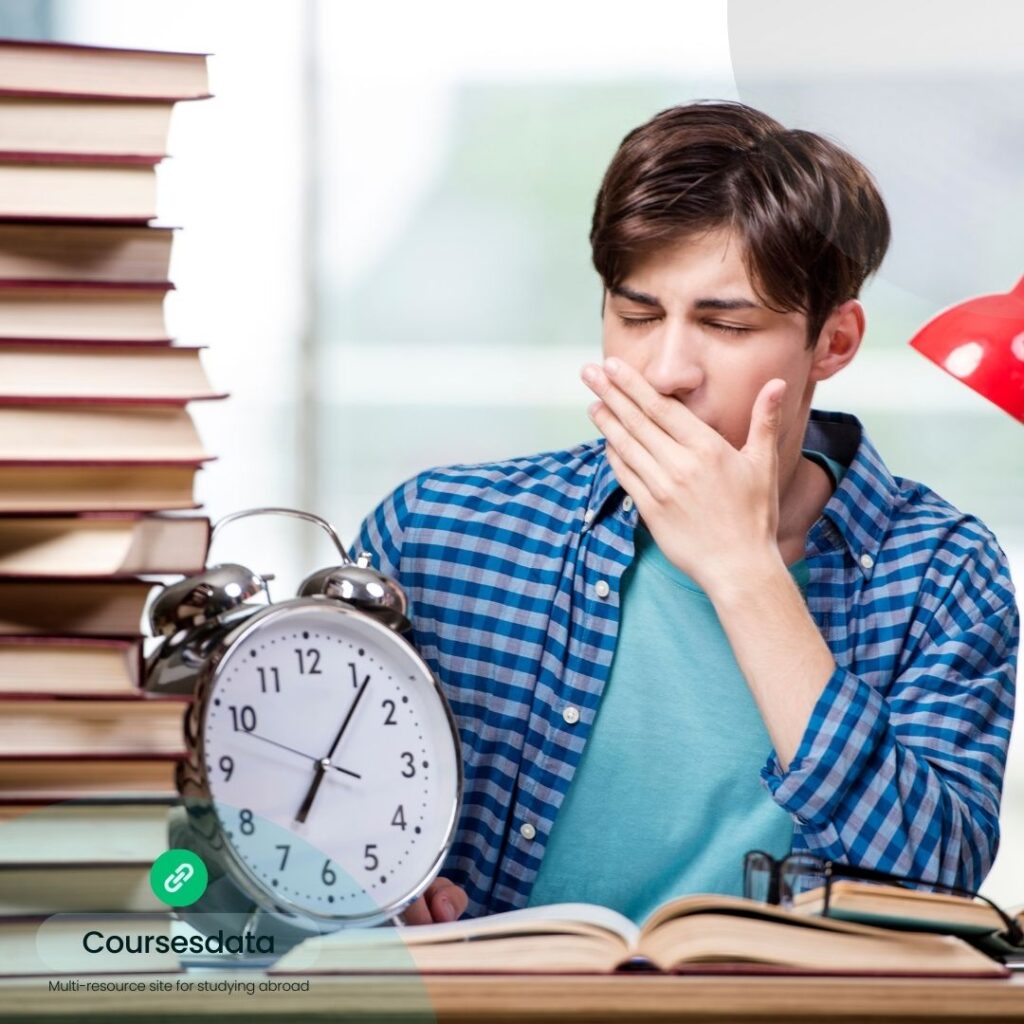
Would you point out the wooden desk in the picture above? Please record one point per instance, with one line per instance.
(504, 998)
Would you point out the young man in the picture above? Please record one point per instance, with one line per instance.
(724, 625)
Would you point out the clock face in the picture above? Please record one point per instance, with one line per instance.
(332, 761)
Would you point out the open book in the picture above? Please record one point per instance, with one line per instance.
(688, 935)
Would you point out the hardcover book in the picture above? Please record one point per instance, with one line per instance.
(45, 126)
(83, 311)
(45, 372)
(77, 191)
(114, 253)
(142, 725)
(102, 545)
(91, 486)
(29, 780)
(65, 69)
(69, 665)
(72, 607)
(52, 432)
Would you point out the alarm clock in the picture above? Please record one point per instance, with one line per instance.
(323, 777)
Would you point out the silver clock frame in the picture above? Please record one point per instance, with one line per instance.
(188, 662)
(194, 784)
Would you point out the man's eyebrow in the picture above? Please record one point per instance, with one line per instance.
(634, 296)
(650, 300)
(726, 304)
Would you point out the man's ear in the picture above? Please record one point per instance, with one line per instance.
(839, 340)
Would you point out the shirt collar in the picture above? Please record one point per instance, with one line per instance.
(604, 491)
(858, 513)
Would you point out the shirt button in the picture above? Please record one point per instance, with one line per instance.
(627, 504)
(867, 561)
(588, 516)
(527, 831)
(571, 715)
(602, 589)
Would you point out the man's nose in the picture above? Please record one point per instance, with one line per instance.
(676, 365)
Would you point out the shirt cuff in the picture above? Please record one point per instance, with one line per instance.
(846, 727)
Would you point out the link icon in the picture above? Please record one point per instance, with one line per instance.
(178, 877)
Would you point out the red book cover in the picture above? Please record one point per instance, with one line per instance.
(50, 44)
(9, 283)
(72, 755)
(87, 344)
(25, 157)
(197, 463)
(45, 218)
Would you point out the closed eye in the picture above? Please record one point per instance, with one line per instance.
(728, 328)
(640, 321)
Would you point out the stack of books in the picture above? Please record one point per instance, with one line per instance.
(96, 448)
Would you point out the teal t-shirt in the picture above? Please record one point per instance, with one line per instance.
(668, 796)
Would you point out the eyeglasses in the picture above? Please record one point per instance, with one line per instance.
(768, 880)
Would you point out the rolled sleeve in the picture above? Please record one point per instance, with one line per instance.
(910, 781)
(846, 727)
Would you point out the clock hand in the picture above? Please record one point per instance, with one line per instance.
(325, 763)
(284, 746)
(307, 803)
(348, 718)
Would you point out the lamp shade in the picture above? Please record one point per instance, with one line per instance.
(981, 342)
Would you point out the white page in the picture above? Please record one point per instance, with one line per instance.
(305, 955)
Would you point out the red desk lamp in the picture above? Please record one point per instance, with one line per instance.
(981, 342)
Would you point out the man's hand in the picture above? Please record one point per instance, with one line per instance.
(710, 508)
(714, 512)
(443, 901)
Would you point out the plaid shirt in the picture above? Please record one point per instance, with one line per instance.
(512, 569)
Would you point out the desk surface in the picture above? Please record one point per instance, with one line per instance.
(505, 998)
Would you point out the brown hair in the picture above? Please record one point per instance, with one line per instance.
(811, 216)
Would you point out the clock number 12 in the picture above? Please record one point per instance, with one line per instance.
(309, 664)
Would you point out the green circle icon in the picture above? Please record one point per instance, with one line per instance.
(178, 877)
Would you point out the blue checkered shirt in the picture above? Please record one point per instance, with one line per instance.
(512, 569)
